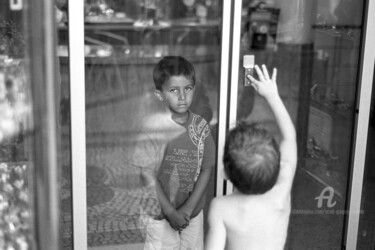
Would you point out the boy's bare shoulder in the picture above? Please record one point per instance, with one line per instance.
(223, 209)
(218, 201)
(230, 198)
(223, 203)
(230, 202)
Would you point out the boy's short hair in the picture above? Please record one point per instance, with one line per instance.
(251, 158)
(172, 66)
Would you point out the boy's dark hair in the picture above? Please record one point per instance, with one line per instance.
(251, 158)
(172, 66)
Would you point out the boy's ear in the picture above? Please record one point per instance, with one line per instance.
(159, 95)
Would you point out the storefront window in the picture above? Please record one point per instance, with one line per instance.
(315, 45)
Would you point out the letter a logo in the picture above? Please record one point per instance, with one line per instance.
(328, 197)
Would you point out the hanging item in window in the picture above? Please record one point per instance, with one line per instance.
(262, 25)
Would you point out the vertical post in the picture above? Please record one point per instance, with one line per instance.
(78, 122)
(41, 51)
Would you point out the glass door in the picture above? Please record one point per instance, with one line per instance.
(117, 45)
(317, 48)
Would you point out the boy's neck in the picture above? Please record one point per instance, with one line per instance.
(180, 118)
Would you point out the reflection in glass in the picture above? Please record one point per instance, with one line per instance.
(16, 165)
(16, 207)
(175, 158)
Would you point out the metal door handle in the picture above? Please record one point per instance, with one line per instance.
(16, 4)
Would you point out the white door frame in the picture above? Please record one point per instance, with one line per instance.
(78, 122)
(223, 98)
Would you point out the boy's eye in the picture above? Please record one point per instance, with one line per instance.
(189, 89)
(173, 90)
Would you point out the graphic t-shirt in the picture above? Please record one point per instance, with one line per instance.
(184, 157)
(177, 153)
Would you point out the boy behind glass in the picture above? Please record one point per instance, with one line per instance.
(176, 156)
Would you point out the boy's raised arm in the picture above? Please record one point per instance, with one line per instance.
(267, 88)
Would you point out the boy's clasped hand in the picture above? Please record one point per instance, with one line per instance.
(180, 221)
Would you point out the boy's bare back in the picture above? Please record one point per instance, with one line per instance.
(258, 221)
(250, 221)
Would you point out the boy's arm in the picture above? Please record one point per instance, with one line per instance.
(198, 191)
(176, 219)
(216, 236)
(146, 156)
(267, 88)
(203, 179)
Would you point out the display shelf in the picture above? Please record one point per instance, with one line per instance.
(173, 32)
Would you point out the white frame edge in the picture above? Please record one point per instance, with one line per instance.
(78, 122)
(236, 42)
(223, 103)
(366, 82)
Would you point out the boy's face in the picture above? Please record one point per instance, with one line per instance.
(177, 94)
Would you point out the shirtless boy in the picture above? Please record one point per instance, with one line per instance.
(256, 214)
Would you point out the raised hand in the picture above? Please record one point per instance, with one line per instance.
(265, 86)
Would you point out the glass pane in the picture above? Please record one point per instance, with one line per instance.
(16, 137)
(366, 232)
(64, 125)
(124, 40)
(315, 46)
